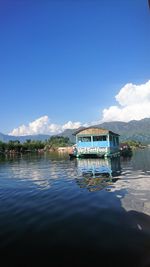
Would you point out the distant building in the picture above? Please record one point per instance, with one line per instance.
(96, 142)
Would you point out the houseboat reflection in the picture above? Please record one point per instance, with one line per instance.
(95, 174)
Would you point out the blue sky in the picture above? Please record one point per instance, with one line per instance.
(66, 61)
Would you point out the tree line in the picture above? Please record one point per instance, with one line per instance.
(34, 145)
(133, 143)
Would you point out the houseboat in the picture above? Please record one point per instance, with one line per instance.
(96, 142)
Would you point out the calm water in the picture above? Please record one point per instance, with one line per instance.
(88, 212)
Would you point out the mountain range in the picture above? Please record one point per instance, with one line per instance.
(6, 138)
(133, 130)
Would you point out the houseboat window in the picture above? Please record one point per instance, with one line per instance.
(100, 138)
(117, 140)
(84, 139)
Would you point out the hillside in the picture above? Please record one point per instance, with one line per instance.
(133, 130)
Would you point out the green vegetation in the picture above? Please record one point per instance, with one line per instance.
(34, 145)
(128, 146)
(134, 144)
(59, 141)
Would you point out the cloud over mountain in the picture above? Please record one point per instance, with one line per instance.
(133, 104)
(42, 125)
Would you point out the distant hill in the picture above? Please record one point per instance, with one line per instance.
(133, 130)
(7, 138)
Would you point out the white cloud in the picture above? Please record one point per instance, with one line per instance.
(133, 104)
(42, 125)
(71, 125)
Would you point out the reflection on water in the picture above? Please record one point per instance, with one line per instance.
(135, 179)
(49, 218)
(98, 173)
(37, 170)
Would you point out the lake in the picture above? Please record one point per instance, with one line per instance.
(81, 212)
